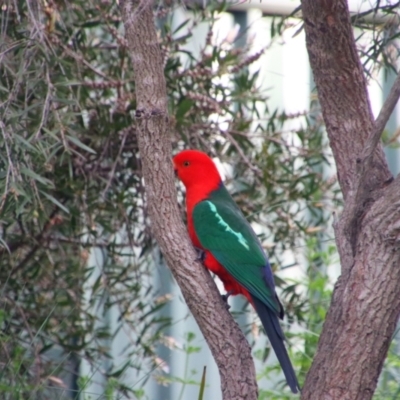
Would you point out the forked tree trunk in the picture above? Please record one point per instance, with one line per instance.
(366, 301)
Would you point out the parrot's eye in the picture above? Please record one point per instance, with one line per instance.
(186, 163)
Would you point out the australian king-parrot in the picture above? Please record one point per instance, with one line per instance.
(231, 248)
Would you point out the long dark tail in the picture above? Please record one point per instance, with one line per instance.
(275, 335)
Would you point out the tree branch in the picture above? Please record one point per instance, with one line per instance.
(342, 91)
(227, 343)
(381, 121)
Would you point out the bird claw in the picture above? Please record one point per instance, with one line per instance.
(225, 298)
(200, 254)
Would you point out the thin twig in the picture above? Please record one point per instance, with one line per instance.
(24, 319)
(241, 153)
(10, 167)
(46, 105)
(383, 117)
(79, 58)
(89, 243)
(112, 173)
(38, 238)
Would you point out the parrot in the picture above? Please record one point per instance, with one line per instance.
(230, 247)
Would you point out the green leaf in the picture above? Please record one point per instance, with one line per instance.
(78, 143)
(183, 24)
(68, 83)
(25, 143)
(202, 384)
(36, 177)
(55, 201)
(183, 107)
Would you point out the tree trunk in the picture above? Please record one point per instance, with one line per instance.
(366, 301)
(228, 345)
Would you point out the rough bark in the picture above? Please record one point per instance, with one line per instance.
(366, 301)
(226, 341)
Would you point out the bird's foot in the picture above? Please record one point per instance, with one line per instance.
(200, 254)
(225, 298)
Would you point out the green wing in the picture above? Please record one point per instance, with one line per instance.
(223, 230)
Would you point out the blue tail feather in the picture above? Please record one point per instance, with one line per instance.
(276, 337)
